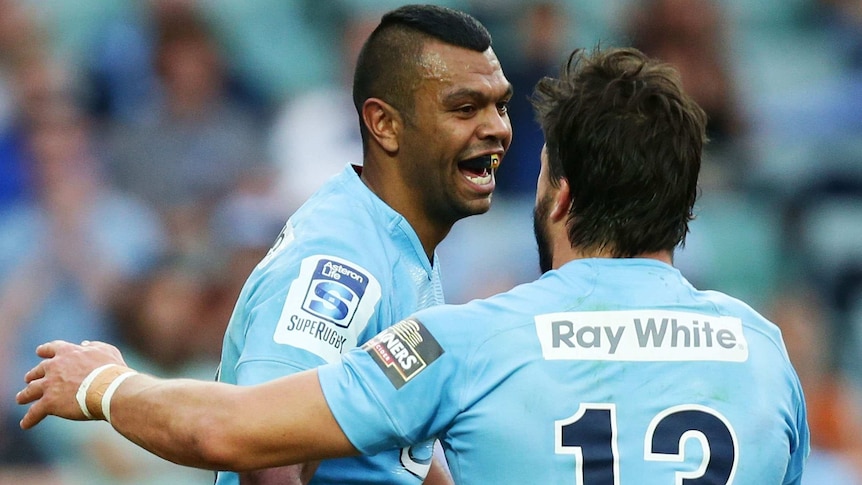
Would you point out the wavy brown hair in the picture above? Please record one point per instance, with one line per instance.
(628, 140)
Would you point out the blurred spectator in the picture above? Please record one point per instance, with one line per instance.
(854, 316)
(834, 408)
(20, 42)
(317, 132)
(14, 175)
(68, 252)
(806, 119)
(543, 28)
(193, 144)
(168, 306)
(694, 36)
(121, 68)
(843, 19)
(172, 325)
(155, 330)
(736, 245)
(822, 228)
(244, 227)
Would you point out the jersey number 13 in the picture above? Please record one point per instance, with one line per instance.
(591, 435)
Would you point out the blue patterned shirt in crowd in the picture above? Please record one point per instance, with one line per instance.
(604, 372)
(345, 267)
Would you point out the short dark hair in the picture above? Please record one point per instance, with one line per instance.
(619, 128)
(387, 64)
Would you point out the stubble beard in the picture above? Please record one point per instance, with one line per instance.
(540, 231)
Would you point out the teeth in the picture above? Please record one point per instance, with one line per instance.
(483, 179)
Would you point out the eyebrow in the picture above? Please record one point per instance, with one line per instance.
(475, 94)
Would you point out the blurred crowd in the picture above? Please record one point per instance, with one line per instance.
(150, 152)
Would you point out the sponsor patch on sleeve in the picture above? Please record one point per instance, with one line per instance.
(328, 305)
(403, 350)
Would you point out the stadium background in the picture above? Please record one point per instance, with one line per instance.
(151, 150)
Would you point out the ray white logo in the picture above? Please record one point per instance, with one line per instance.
(641, 335)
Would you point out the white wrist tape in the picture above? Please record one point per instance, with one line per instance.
(81, 395)
(109, 393)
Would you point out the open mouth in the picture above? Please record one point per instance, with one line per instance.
(480, 170)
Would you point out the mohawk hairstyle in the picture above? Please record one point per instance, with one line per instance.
(387, 67)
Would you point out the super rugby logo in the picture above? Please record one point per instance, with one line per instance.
(403, 350)
(334, 292)
(328, 305)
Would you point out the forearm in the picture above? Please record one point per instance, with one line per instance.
(223, 427)
(184, 421)
(195, 423)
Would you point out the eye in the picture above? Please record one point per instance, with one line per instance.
(466, 109)
(503, 107)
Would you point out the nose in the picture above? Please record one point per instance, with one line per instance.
(497, 126)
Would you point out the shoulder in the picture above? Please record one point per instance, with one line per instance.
(332, 245)
(336, 221)
(759, 331)
(731, 306)
(345, 211)
(316, 259)
(472, 324)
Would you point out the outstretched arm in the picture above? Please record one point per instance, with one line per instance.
(195, 423)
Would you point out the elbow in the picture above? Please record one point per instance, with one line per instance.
(200, 442)
(228, 432)
(218, 445)
(231, 438)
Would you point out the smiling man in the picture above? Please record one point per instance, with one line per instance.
(431, 99)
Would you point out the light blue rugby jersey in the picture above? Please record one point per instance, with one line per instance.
(605, 372)
(345, 267)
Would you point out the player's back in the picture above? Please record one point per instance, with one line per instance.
(616, 372)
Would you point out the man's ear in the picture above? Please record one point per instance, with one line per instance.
(562, 201)
(383, 123)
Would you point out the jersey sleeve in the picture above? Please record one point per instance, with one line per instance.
(307, 306)
(398, 389)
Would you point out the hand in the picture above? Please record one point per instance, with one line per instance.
(53, 383)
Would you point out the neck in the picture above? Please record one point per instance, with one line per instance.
(564, 256)
(429, 231)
